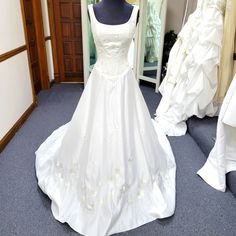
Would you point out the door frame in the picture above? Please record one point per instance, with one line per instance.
(141, 45)
(41, 46)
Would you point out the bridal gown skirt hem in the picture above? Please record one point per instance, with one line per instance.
(222, 158)
(110, 169)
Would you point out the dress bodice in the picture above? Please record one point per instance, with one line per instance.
(112, 43)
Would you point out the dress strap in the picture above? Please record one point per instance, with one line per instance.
(91, 13)
(134, 14)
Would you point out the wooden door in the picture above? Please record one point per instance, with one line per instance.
(32, 44)
(68, 28)
(33, 24)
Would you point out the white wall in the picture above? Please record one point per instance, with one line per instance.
(15, 85)
(15, 91)
(11, 28)
(176, 11)
(50, 60)
(45, 18)
(49, 42)
(175, 14)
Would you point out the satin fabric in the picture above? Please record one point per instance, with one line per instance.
(110, 169)
(192, 73)
(222, 158)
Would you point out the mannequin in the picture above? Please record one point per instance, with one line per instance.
(113, 12)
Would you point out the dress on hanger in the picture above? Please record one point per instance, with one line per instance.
(192, 74)
(110, 169)
(222, 158)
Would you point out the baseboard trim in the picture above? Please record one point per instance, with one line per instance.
(10, 134)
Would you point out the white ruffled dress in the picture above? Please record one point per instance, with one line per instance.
(192, 75)
(222, 158)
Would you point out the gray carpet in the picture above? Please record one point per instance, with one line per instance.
(204, 132)
(25, 210)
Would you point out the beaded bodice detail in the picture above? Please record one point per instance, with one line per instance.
(112, 43)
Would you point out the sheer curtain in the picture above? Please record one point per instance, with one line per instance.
(153, 31)
(228, 48)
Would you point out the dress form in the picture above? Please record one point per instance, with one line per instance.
(113, 12)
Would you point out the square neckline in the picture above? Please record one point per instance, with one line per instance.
(131, 16)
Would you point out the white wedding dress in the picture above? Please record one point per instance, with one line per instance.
(192, 73)
(109, 169)
(222, 158)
